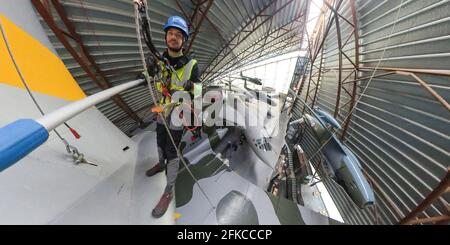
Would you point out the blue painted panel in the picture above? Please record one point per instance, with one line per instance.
(18, 139)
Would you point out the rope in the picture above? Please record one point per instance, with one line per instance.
(158, 77)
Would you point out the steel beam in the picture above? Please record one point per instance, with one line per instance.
(97, 77)
(199, 23)
(339, 41)
(251, 49)
(346, 123)
(216, 59)
(432, 197)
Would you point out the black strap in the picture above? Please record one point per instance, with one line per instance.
(181, 62)
(145, 28)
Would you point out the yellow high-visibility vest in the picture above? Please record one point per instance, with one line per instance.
(178, 80)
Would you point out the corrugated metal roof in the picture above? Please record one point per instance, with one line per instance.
(398, 131)
(275, 26)
(107, 31)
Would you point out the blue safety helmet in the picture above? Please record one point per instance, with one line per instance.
(177, 22)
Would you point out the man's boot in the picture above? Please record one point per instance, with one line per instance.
(156, 169)
(162, 206)
(159, 167)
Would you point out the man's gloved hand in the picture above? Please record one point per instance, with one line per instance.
(152, 66)
(189, 85)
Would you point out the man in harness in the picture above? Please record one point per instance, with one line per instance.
(184, 77)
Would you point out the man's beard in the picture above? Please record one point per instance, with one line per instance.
(176, 50)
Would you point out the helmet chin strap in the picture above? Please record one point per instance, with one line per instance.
(175, 50)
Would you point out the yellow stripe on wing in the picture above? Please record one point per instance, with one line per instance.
(42, 70)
